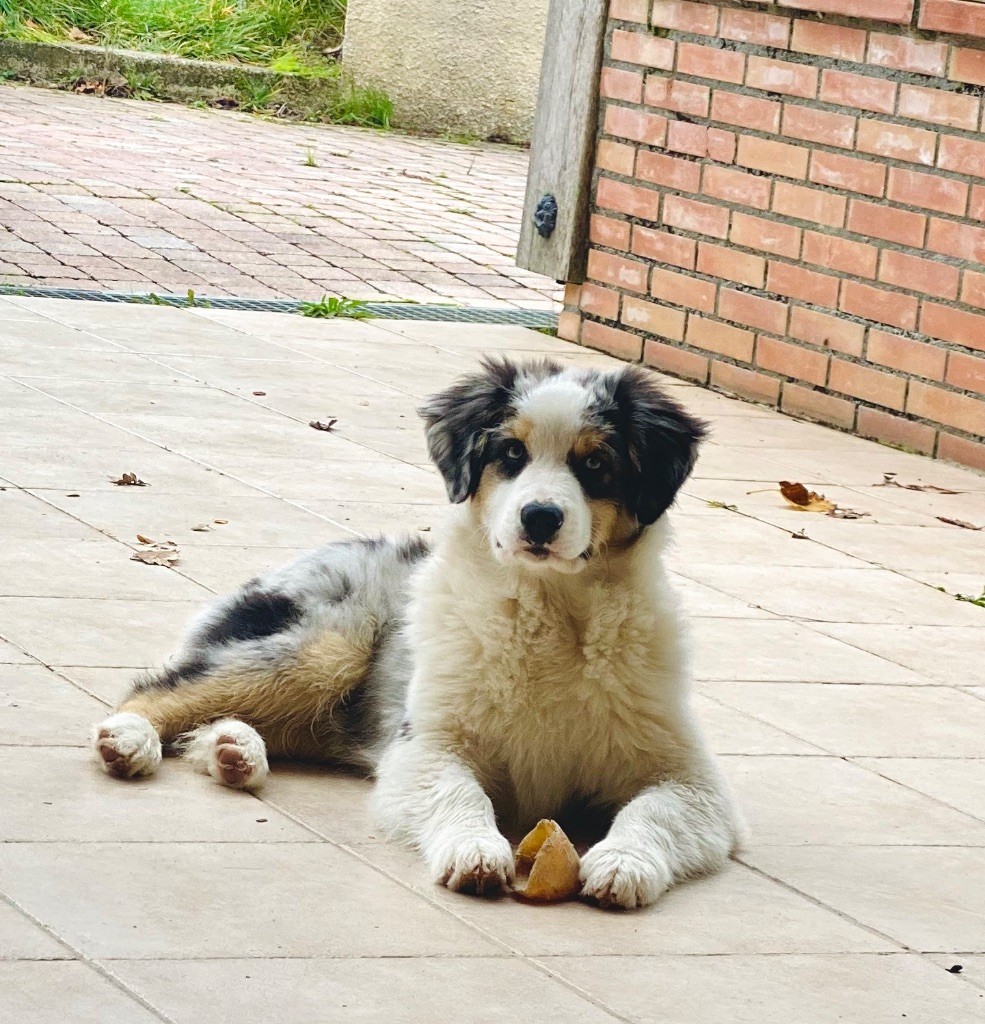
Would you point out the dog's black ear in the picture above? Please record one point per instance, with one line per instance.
(458, 422)
(661, 438)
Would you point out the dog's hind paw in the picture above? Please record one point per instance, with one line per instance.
(479, 866)
(232, 752)
(127, 746)
(623, 878)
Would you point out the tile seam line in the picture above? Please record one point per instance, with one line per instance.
(90, 963)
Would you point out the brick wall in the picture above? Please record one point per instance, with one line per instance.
(789, 205)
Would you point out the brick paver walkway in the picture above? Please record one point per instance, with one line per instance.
(137, 196)
(843, 691)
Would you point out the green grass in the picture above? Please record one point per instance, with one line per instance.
(287, 35)
(330, 307)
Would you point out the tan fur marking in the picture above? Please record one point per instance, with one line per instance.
(520, 427)
(588, 440)
(291, 709)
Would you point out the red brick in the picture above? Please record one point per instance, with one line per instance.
(572, 294)
(958, 16)
(800, 283)
(621, 85)
(713, 336)
(818, 126)
(792, 360)
(847, 173)
(859, 91)
(664, 247)
(700, 18)
(698, 140)
(711, 62)
(701, 218)
(620, 344)
(654, 318)
(635, 124)
(967, 372)
(898, 11)
(670, 171)
(772, 157)
(725, 262)
(737, 380)
(828, 40)
(826, 331)
(887, 222)
(905, 54)
(895, 430)
(940, 107)
(918, 358)
(673, 94)
(721, 145)
(752, 27)
(782, 76)
(569, 326)
(948, 407)
(630, 10)
(960, 449)
(973, 289)
(677, 361)
(868, 384)
(768, 235)
(954, 325)
(976, 205)
(893, 308)
(809, 204)
(834, 253)
(753, 311)
(629, 199)
(896, 141)
(629, 275)
(952, 238)
(745, 111)
(615, 157)
(642, 48)
(614, 234)
(816, 405)
(928, 190)
(692, 292)
(931, 277)
(736, 186)
(967, 66)
(966, 156)
(598, 301)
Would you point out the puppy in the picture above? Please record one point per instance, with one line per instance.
(534, 660)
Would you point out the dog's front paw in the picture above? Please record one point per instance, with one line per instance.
(479, 865)
(127, 746)
(621, 877)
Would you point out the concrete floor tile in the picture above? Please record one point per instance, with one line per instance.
(930, 898)
(37, 707)
(957, 782)
(249, 899)
(22, 939)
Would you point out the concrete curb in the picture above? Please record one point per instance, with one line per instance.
(165, 77)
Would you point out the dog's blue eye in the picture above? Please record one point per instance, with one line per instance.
(516, 451)
(593, 462)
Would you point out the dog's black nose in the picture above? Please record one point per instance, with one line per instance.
(541, 521)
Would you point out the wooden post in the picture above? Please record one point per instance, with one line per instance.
(563, 142)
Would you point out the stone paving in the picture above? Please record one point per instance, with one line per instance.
(138, 196)
(843, 690)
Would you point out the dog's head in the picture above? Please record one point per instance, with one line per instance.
(560, 462)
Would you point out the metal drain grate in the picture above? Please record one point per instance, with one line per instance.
(381, 310)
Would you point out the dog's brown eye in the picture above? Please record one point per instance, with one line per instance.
(516, 451)
(593, 462)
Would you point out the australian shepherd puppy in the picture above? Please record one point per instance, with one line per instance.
(535, 659)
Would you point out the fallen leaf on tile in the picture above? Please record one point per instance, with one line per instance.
(201, 528)
(800, 498)
(163, 553)
(129, 480)
(547, 865)
(958, 522)
(323, 425)
(846, 513)
(143, 539)
(799, 535)
(889, 480)
(220, 522)
(259, 394)
(721, 504)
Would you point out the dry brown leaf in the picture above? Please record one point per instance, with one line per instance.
(129, 480)
(799, 535)
(846, 513)
(259, 394)
(143, 539)
(156, 554)
(547, 865)
(889, 480)
(323, 424)
(201, 528)
(800, 498)
(958, 522)
(220, 522)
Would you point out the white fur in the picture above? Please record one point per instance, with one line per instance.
(130, 743)
(247, 766)
(530, 689)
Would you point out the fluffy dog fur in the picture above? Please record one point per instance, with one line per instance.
(533, 661)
